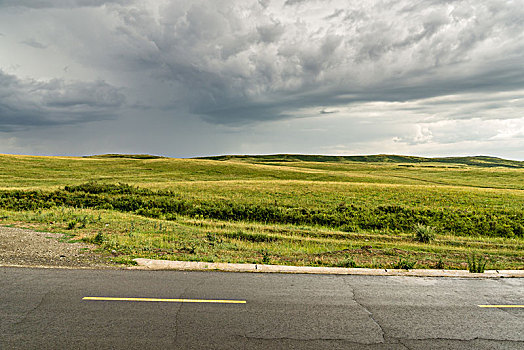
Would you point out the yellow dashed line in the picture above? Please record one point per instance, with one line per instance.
(167, 300)
(501, 306)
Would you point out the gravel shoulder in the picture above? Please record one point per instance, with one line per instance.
(22, 247)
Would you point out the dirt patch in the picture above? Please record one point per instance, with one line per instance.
(30, 248)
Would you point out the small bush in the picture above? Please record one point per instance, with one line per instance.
(71, 225)
(404, 264)
(423, 233)
(476, 265)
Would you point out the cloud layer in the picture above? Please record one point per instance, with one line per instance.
(272, 57)
(420, 73)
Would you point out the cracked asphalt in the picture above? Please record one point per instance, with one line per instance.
(43, 309)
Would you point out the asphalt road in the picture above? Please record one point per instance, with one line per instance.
(45, 309)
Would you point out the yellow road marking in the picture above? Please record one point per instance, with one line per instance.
(500, 305)
(168, 300)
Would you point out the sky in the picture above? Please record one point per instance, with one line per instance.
(196, 78)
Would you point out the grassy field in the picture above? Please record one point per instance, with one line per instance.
(281, 209)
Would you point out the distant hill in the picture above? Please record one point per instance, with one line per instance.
(480, 161)
(128, 156)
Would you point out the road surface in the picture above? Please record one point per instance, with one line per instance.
(46, 309)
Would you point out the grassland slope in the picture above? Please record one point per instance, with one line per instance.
(280, 209)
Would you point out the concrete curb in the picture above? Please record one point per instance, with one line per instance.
(150, 264)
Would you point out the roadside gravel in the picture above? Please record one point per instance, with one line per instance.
(22, 247)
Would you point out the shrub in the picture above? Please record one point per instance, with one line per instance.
(149, 212)
(349, 218)
(423, 233)
(98, 188)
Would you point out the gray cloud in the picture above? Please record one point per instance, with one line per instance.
(59, 3)
(29, 103)
(238, 62)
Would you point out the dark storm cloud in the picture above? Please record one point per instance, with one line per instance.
(28, 103)
(241, 62)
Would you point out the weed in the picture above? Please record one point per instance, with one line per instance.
(423, 233)
(266, 258)
(124, 260)
(348, 262)
(189, 249)
(404, 264)
(440, 264)
(250, 237)
(83, 222)
(71, 225)
(476, 265)
(212, 239)
(99, 238)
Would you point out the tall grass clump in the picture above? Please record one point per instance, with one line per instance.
(423, 233)
(476, 264)
(404, 264)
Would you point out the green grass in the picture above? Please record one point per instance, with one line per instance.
(307, 210)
